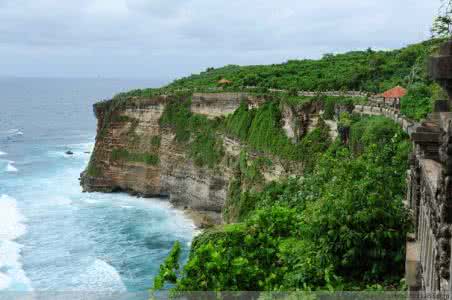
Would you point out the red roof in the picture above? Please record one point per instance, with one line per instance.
(397, 92)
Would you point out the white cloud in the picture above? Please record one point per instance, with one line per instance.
(107, 9)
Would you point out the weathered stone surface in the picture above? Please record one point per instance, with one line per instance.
(300, 119)
(413, 266)
(216, 104)
(133, 128)
(422, 137)
(440, 68)
(430, 188)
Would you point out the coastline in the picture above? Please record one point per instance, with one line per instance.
(202, 219)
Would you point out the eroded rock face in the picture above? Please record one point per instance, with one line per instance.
(301, 119)
(135, 129)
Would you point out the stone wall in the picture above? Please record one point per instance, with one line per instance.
(407, 125)
(429, 194)
(350, 94)
(428, 197)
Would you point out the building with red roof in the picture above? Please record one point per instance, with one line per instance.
(392, 97)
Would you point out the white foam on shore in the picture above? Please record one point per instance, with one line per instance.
(5, 281)
(11, 168)
(12, 275)
(11, 219)
(101, 276)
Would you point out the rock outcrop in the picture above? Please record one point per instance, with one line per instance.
(135, 154)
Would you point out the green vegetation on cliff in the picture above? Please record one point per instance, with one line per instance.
(369, 71)
(198, 132)
(123, 154)
(372, 71)
(342, 226)
(260, 129)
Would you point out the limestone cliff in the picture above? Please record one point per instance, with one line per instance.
(136, 154)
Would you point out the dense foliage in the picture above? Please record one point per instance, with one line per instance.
(261, 129)
(169, 268)
(198, 132)
(371, 71)
(341, 226)
(419, 101)
(442, 25)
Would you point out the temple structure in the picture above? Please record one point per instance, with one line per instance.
(428, 260)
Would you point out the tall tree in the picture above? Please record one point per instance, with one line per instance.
(442, 26)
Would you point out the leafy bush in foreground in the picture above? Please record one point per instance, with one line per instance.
(341, 227)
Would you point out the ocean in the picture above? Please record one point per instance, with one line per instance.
(53, 237)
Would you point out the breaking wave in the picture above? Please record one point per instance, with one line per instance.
(12, 274)
(11, 168)
(101, 276)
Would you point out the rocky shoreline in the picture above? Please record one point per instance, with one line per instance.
(134, 153)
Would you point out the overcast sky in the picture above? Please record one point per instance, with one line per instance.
(169, 38)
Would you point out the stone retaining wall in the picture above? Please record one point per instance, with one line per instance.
(408, 125)
(428, 263)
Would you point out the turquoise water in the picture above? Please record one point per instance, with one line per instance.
(53, 237)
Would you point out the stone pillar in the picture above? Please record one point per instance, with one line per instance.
(440, 69)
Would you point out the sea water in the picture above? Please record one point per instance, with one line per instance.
(53, 237)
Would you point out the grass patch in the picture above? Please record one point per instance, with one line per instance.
(92, 169)
(155, 141)
(123, 154)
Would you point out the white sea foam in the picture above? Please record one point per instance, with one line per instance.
(11, 219)
(59, 200)
(3, 153)
(92, 201)
(10, 167)
(12, 275)
(101, 276)
(14, 132)
(5, 281)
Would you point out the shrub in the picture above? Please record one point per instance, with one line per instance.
(168, 270)
(343, 226)
(260, 128)
(197, 132)
(418, 102)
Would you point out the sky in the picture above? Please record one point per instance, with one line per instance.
(166, 39)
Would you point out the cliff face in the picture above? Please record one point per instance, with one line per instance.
(135, 154)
